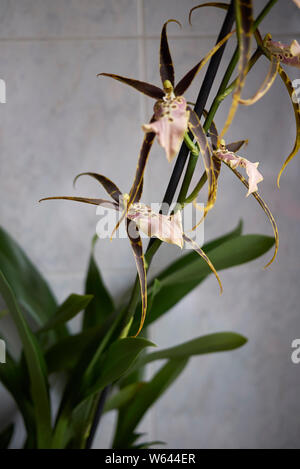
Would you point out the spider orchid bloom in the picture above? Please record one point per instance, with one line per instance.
(289, 55)
(172, 117)
(227, 154)
(234, 161)
(284, 53)
(140, 217)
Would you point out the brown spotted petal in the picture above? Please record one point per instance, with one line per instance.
(233, 160)
(286, 54)
(164, 227)
(170, 124)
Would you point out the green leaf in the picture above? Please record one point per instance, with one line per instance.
(70, 308)
(102, 304)
(6, 436)
(116, 361)
(30, 288)
(178, 283)
(12, 378)
(143, 400)
(193, 256)
(211, 343)
(65, 353)
(36, 366)
(122, 397)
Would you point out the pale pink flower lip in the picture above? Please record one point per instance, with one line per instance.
(286, 54)
(164, 227)
(233, 160)
(171, 123)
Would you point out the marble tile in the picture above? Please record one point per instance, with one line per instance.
(68, 18)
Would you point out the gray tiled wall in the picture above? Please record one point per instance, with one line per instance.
(60, 120)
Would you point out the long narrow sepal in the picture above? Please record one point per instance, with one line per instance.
(244, 23)
(166, 67)
(235, 146)
(186, 81)
(265, 209)
(199, 134)
(223, 6)
(107, 184)
(145, 88)
(296, 108)
(265, 86)
(141, 165)
(204, 257)
(137, 248)
(86, 200)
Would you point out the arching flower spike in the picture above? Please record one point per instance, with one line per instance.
(141, 217)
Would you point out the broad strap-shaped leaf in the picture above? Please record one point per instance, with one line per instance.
(143, 400)
(202, 254)
(12, 378)
(36, 366)
(186, 81)
(145, 88)
(116, 361)
(68, 310)
(199, 134)
(122, 397)
(296, 106)
(166, 67)
(265, 209)
(85, 200)
(137, 249)
(102, 304)
(30, 288)
(167, 296)
(107, 184)
(211, 343)
(265, 86)
(244, 22)
(223, 6)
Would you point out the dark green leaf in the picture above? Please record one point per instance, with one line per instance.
(102, 304)
(70, 308)
(144, 399)
(180, 282)
(218, 342)
(6, 436)
(36, 366)
(122, 397)
(30, 288)
(116, 361)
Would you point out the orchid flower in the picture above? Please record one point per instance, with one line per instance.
(172, 118)
(234, 161)
(141, 217)
(288, 55)
(227, 154)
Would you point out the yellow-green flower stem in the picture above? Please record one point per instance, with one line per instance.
(225, 90)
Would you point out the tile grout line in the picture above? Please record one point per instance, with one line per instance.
(120, 38)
